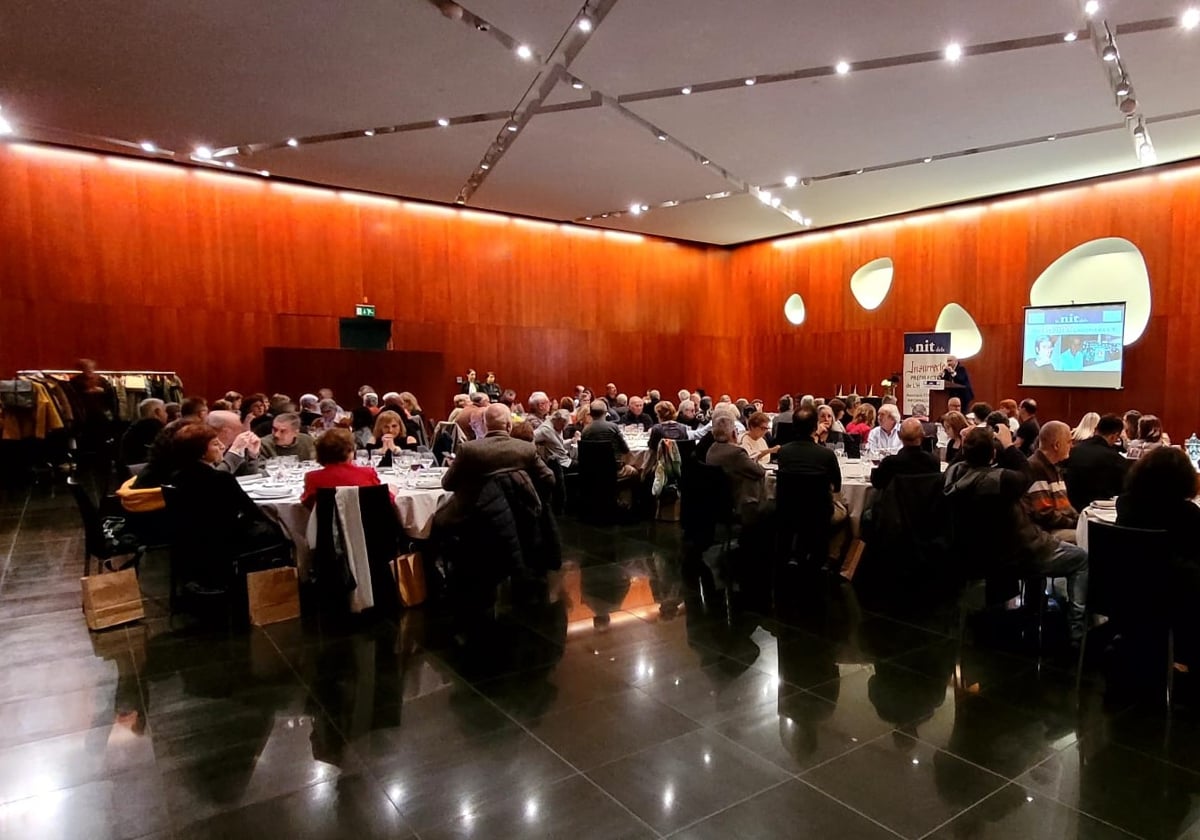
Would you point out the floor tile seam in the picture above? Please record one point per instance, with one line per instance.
(977, 766)
(13, 541)
(577, 770)
(997, 792)
(1162, 759)
(180, 829)
(1054, 798)
(640, 750)
(850, 807)
(730, 806)
(802, 773)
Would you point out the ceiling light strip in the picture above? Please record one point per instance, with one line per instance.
(1104, 41)
(553, 69)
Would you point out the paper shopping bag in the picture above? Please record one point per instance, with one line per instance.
(111, 599)
(274, 595)
(853, 556)
(410, 577)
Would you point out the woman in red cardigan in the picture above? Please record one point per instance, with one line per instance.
(335, 453)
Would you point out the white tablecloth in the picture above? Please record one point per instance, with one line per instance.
(1091, 512)
(415, 509)
(856, 489)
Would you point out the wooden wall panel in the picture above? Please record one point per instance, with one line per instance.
(142, 265)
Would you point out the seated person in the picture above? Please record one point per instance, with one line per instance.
(1159, 496)
(138, 438)
(956, 425)
(287, 439)
(928, 427)
(668, 425)
(253, 408)
(1096, 468)
(1130, 433)
(600, 429)
(635, 415)
(335, 454)
(461, 401)
(548, 438)
(310, 411)
(886, 436)
(538, 409)
(783, 415)
(579, 421)
(1000, 474)
(1046, 500)
(827, 435)
(231, 519)
(755, 439)
(243, 449)
(863, 422)
(745, 473)
(363, 417)
(278, 404)
(839, 415)
(910, 460)
(470, 419)
(389, 438)
(479, 460)
(688, 413)
(1150, 436)
(804, 457)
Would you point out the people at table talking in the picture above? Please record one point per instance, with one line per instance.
(388, 438)
(287, 439)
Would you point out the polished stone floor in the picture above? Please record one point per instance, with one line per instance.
(819, 713)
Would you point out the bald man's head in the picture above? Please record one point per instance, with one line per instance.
(498, 418)
(911, 432)
(1054, 441)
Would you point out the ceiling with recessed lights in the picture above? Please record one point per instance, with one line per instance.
(705, 120)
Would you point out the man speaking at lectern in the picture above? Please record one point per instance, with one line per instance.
(956, 374)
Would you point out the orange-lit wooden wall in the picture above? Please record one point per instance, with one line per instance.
(147, 266)
(985, 257)
(150, 266)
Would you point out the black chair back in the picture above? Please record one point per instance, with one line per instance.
(89, 515)
(597, 481)
(382, 535)
(785, 433)
(1128, 574)
(909, 517)
(804, 513)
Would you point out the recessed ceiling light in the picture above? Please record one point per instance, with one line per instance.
(842, 68)
(635, 209)
(148, 147)
(686, 91)
(603, 215)
(511, 126)
(524, 52)
(807, 222)
(858, 172)
(229, 164)
(764, 196)
(929, 160)
(370, 132)
(585, 24)
(1191, 18)
(203, 152)
(485, 166)
(662, 137)
(953, 52)
(1123, 86)
(293, 142)
(1052, 137)
(5, 127)
(750, 81)
(1109, 53)
(578, 85)
(670, 204)
(264, 173)
(790, 181)
(705, 162)
(1069, 37)
(587, 218)
(1091, 7)
(460, 200)
(443, 122)
(775, 202)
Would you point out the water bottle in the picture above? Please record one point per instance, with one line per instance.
(1192, 446)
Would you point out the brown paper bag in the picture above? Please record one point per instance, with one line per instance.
(274, 595)
(409, 571)
(111, 599)
(853, 556)
(668, 511)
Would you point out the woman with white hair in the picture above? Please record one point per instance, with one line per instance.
(886, 436)
(1086, 427)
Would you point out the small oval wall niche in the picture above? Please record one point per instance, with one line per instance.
(871, 283)
(1099, 271)
(965, 338)
(793, 309)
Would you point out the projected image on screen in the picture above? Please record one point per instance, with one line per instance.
(1074, 346)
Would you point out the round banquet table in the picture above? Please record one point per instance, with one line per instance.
(414, 507)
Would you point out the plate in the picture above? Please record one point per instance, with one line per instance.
(427, 484)
(264, 492)
(1105, 504)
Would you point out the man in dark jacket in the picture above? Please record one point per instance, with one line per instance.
(995, 479)
(478, 461)
(603, 431)
(138, 438)
(910, 460)
(1096, 469)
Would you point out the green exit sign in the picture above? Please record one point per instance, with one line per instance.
(365, 310)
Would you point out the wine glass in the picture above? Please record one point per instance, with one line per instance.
(839, 449)
(362, 457)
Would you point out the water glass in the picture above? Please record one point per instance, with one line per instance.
(362, 457)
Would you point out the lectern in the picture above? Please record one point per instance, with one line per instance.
(939, 399)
